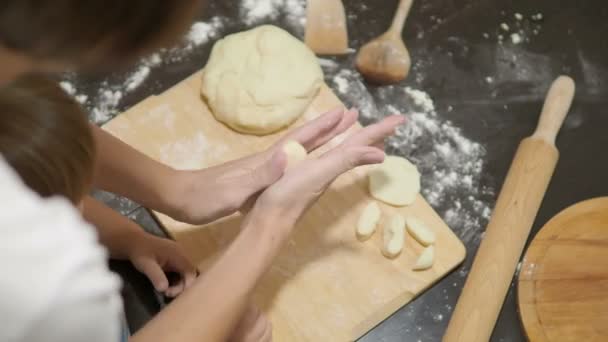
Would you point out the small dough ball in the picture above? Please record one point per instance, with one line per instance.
(370, 216)
(260, 81)
(420, 231)
(295, 152)
(394, 236)
(426, 259)
(396, 181)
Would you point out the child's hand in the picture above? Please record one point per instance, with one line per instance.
(253, 327)
(153, 256)
(206, 195)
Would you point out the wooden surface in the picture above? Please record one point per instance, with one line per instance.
(563, 281)
(325, 285)
(520, 198)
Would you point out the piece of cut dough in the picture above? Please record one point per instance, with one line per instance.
(426, 259)
(370, 216)
(396, 181)
(295, 152)
(420, 231)
(260, 81)
(394, 236)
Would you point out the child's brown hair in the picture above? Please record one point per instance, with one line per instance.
(46, 138)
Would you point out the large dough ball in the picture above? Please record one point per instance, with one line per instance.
(260, 81)
(396, 181)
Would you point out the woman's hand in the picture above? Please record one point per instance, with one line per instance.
(153, 256)
(284, 202)
(206, 195)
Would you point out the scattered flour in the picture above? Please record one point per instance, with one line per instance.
(537, 17)
(451, 164)
(201, 32)
(516, 38)
(138, 77)
(341, 83)
(518, 28)
(186, 153)
(68, 87)
(104, 102)
(81, 98)
(256, 11)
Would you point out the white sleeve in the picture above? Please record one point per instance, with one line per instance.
(55, 284)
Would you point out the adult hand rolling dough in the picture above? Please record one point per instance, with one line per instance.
(292, 194)
(226, 188)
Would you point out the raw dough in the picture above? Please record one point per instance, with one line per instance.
(366, 226)
(296, 153)
(426, 259)
(420, 231)
(396, 181)
(260, 81)
(394, 236)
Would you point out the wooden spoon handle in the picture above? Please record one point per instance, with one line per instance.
(400, 16)
(557, 103)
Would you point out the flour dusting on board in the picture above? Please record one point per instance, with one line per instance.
(186, 153)
(451, 164)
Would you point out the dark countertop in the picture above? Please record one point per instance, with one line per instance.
(498, 115)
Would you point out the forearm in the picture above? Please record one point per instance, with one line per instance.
(123, 170)
(211, 308)
(115, 231)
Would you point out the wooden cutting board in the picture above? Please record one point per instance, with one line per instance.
(325, 285)
(563, 281)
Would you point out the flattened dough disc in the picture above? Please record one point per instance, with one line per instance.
(563, 280)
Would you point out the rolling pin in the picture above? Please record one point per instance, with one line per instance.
(485, 289)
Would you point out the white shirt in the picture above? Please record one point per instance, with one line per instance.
(55, 285)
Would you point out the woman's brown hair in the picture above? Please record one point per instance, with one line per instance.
(92, 33)
(45, 137)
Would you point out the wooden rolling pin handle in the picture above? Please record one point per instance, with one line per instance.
(557, 103)
(399, 20)
(520, 198)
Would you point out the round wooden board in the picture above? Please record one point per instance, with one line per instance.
(563, 281)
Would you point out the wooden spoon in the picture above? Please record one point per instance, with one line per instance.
(385, 60)
(326, 32)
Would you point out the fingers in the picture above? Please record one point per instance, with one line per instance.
(321, 172)
(154, 272)
(263, 177)
(175, 289)
(376, 133)
(341, 160)
(180, 264)
(321, 125)
(324, 128)
(348, 120)
(266, 173)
